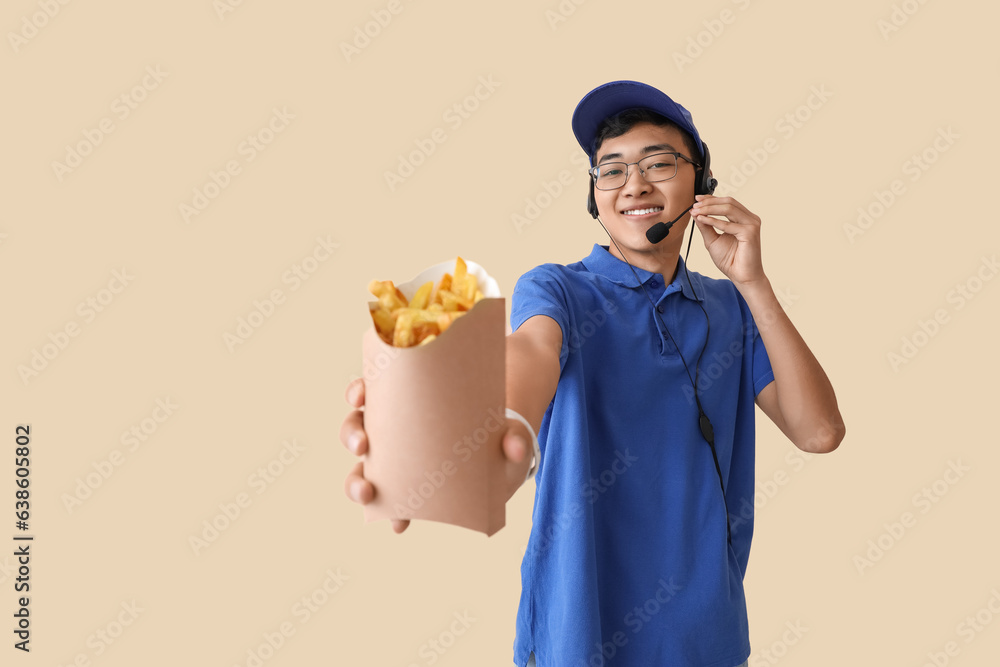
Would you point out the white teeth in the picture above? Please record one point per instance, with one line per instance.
(644, 211)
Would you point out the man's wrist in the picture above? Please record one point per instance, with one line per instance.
(755, 290)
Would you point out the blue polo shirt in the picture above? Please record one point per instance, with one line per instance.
(628, 564)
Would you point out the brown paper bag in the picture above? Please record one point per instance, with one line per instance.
(434, 415)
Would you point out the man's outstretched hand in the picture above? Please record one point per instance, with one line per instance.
(352, 433)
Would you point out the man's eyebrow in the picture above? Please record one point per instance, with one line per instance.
(655, 148)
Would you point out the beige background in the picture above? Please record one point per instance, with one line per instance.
(322, 176)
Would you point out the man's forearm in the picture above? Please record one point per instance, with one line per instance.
(532, 369)
(806, 399)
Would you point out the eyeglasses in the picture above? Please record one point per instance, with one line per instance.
(654, 168)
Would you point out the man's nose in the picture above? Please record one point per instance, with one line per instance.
(635, 182)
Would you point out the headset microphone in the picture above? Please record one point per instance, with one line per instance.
(659, 231)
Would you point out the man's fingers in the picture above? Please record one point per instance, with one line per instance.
(355, 393)
(356, 487)
(514, 447)
(726, 226)
(352, 433)
(702, 201)
(361, 491)
(707, 232)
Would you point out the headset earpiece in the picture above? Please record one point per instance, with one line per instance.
(591, 201)
(704, 183)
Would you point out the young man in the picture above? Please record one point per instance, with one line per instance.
(640, 378)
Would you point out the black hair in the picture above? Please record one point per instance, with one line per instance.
(623, 121)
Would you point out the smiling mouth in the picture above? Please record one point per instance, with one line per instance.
(643, 211)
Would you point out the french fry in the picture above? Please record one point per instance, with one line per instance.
(402, 335)
(429, 313)
(445, 282)
(453, 302)
(384, 323)
(388, 294)
(459, 284)
(423, 295)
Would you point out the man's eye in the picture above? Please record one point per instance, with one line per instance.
(659, 165)
(605, 173)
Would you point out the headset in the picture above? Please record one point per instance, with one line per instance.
(705, 184)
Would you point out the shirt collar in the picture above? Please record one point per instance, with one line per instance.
(603, 263)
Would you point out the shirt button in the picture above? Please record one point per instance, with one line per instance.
(659, 309)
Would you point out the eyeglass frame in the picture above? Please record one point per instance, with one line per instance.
(629, 164)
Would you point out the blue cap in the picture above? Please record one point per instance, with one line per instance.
(617, 96)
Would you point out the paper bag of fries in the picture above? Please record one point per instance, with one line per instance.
(434, 398)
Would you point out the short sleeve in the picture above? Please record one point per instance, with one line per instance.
(540, 292)
(762, 373)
